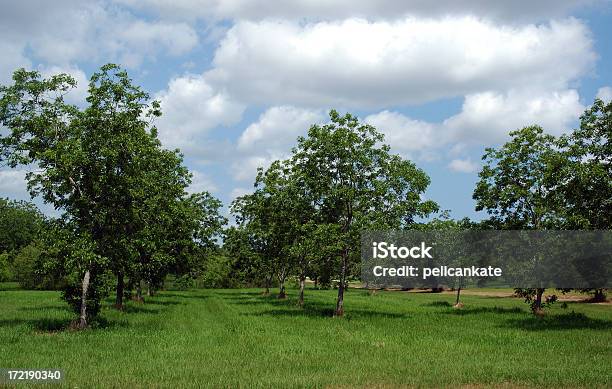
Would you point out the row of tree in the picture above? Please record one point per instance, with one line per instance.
(305, 216)
(126, 212)
(128, 219)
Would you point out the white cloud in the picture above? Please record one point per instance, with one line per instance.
(270, 138)
(138, 39)
(339, 9)
(76, 95)
(277, 128)
(485, 118)
(239, 191)
(201, 182)
(404, 134)
(463, 166)
(489, 116)
(358, 63)
(63, 32)
(13, 184)
(605, 94)
(11, 59)
(190, 107)
(244, 168)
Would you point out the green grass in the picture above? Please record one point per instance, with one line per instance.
(229, 338)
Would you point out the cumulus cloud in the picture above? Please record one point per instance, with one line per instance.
(406, 135)
(270, 138)
(277, 128)
(485, 118)
(201, 182)
(63, 32)
(605, 94)
(489, 116)
(244, 168)
(11, 59)
(13, 184)
(340, 9)
(358, 63)
(76, 95)
(191, 106)
(239, 191)
(463, 166)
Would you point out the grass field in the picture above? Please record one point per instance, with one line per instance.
(229, 338)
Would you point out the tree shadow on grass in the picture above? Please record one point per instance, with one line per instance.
(180, 296)
(45, 308)
(164, 303)
(480, 310)
(288, 307)
(142, 308)
(50, 325)
(12, 322)
(242, 293)
(56, 325)
(568, 321)
(438, 304)
(322, 312)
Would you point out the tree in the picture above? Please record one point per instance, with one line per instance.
(453, 244)
(515, 188)
(21, 223)
(251, 237)
(44, 132)
(584, 168)
(246, 268)
(263, 215)
(92, 164)
(359, 185)
(5, 270)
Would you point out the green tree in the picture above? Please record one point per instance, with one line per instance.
(5, 269)
(21, 223)
(584, 168)
(254, 215)
(359, 184)
(515, 189)
(92, 164)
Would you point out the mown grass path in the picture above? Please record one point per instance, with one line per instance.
(238, 338)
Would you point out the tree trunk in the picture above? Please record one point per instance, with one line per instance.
(282, 277)
(340, 301)
(268, 283)
(119, 296)
(139, 292)
(302, 285)
(458, 293)
(537, 305)
(149, 292)
(281, 293)
(83, 317)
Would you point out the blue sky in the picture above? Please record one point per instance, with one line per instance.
(239, 80)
